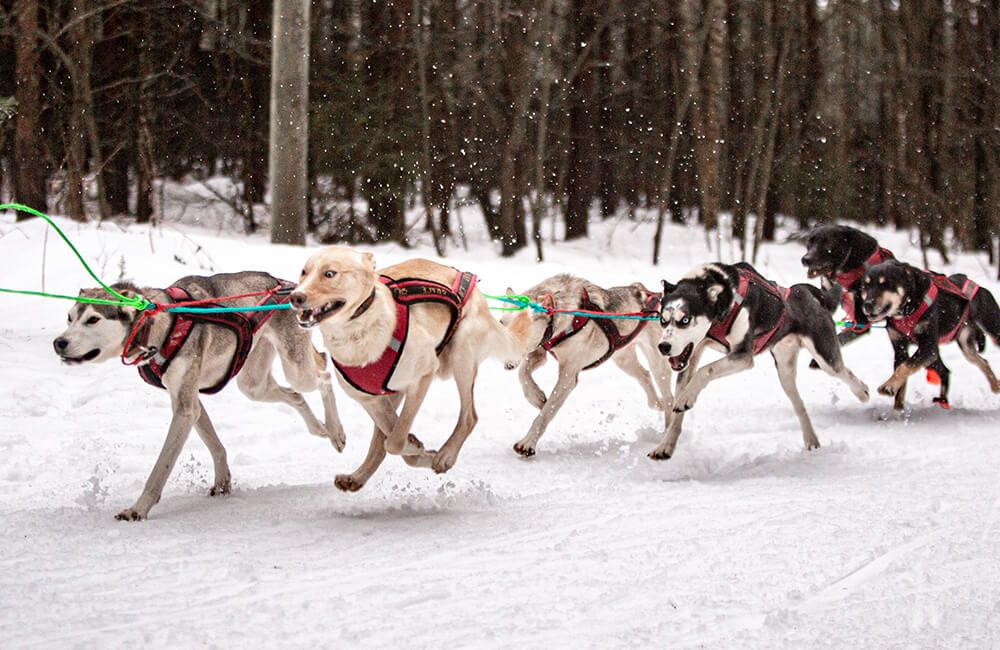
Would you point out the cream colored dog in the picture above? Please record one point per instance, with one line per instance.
(390, 332)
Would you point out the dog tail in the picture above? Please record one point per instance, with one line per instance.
(825, 298)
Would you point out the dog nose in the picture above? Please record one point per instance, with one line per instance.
(869, 307)
(297, 299)
(60, 344)
(664, 348)
(806, 260)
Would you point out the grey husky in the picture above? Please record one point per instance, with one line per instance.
(192, 354)
(580, 343)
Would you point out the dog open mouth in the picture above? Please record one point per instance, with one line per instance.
(881, 314)
(817, 271)
(72, 361)
(680, 361)
(311, 317)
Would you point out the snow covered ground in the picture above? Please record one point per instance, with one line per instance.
(889, 536)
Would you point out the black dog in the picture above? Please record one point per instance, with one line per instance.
(839, 256)
(929, 309)
(733, 309)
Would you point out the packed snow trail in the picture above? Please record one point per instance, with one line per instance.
(888, 536)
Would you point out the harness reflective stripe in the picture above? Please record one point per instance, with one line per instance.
(847, 279)
(374, 377)
(616, 340)
(243, 326)
(719, 332)
(906, 325)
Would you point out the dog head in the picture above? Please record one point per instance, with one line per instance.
(687, 311)
(827, 248)
(96, 332)
(885, 288)
(334, 283)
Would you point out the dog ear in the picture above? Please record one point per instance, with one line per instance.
(667, 287)
(714, 291)
(510, 292)
(369, 260)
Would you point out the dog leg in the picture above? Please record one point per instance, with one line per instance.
(967, 345)
(728, 365)
(400, 441)
(568, 378)
(357, 479)
(258, 384)
(465, 380)
(186, 412)
(628, 361)
(785, 354)
(676, 419)
(532, 392)
(831, 362)
(206, 431)
(660, 370)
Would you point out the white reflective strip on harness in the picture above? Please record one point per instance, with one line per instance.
(737, 298)
(395, 344)
(928, 299)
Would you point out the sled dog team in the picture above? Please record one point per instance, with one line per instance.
(390, 331)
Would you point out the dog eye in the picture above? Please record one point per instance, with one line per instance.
(303, 274)
(329, 274)
(684, 322)
(92, 320)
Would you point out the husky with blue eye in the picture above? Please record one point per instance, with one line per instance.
(733, 309)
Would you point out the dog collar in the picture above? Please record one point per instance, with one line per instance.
(363, 307)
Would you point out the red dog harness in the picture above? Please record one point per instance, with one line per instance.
(374, 378)
(243, 325)
(616, 341)
(906, 325)
(719, 332)
(848, 278)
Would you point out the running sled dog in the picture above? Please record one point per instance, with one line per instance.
(580, 343)
(733, 309)
(389, 332)
(188, 354)
(929, 310)
(840, 256)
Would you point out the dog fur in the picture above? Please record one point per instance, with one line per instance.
(891, 288)
(705, 296)
(586, 347)
(335, 282)
(97, 333)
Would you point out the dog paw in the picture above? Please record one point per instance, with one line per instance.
(889, 388)
(338, 439)
(684, 401)
(443, 461)
(812, 444)
(659, 454)
(524, 449)
(863, 394)
(221, 488)
(130, 514)
(347, 483)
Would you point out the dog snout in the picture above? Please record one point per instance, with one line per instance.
(869, 307)
(664, 348)
(806, 260)
(297, 299)
(60, 344)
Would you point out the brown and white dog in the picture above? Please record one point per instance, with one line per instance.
(390, 332)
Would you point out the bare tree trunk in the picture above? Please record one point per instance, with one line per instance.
(288, 169)
(420, 44)
(708, 144)
(29, 175)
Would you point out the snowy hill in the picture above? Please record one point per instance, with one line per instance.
(889, 536)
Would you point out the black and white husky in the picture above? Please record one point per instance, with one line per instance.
(731, 308)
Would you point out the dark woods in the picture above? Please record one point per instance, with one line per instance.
(875, 111)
